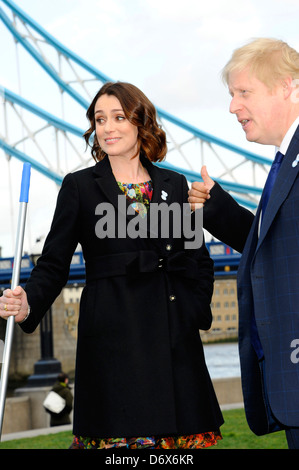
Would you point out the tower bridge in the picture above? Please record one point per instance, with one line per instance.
(26, 126)
(52, 143)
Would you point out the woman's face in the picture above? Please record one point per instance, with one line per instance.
(116, 135)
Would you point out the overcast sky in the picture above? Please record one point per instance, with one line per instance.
(173, 50)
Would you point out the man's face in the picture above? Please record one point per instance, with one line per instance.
(260, 111)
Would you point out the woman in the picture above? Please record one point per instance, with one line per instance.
(61, 387)
(141, 377)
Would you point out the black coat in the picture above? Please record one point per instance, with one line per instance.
(140, 366)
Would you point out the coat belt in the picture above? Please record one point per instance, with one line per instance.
(131, 264)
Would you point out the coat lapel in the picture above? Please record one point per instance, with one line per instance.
(284, 181)
(108, 185)
(250, 247)
(162, 192)
(106, 181)
(162, 189)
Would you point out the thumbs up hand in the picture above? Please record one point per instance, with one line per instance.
(200, 191)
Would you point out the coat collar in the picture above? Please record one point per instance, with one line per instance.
(284, 181)
(106, 181)
(162, 189)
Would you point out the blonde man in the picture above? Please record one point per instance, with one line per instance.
(263, 79)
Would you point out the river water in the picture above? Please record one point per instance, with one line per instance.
(222, 360)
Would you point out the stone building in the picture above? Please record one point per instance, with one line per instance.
(225, 311)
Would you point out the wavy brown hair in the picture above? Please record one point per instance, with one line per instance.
(140, 112)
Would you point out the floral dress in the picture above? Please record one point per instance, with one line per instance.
(141, 194)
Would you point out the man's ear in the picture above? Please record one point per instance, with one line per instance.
(288, 87)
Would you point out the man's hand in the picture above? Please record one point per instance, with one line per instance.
(200, 192)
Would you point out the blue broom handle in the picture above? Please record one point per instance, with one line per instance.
(24, 195)
(25, 183)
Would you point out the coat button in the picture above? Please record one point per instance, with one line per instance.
(172, 298)
(168, 247)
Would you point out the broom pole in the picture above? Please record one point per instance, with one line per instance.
(14, 283)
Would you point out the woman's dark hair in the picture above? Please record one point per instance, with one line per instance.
(62, 377)
(140, 112)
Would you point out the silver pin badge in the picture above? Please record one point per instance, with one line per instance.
(164, 195)
(295, 162)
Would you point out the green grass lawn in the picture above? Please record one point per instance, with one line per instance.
(237, 435)
(235, 431)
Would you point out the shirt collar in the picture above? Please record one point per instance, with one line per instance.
(288, 137)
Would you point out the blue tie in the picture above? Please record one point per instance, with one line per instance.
(255, 340)
(271, 180)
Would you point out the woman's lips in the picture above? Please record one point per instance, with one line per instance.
(112, 140)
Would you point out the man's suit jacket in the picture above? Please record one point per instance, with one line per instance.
(268, 286)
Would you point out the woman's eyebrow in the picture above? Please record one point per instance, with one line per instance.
(112, 110)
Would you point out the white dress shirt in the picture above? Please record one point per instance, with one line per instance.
(288, 137)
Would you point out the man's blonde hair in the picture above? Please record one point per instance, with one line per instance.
(269, 60)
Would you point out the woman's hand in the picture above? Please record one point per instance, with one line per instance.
(200, 192)
(14, 302)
